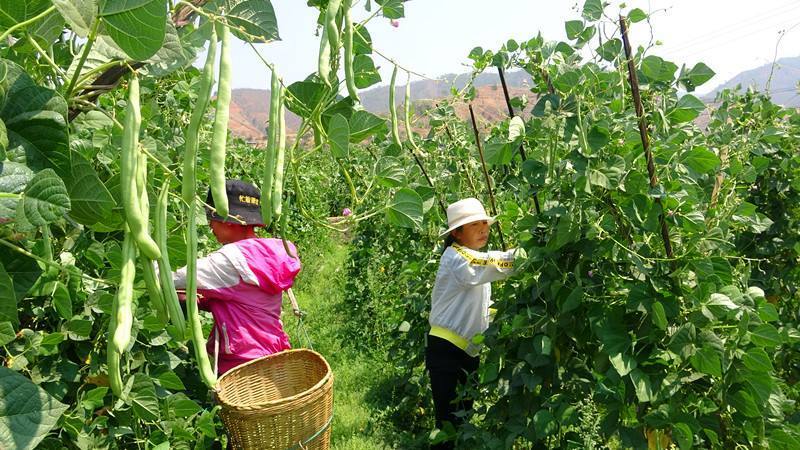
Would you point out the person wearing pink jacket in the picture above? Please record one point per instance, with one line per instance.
(242, 283)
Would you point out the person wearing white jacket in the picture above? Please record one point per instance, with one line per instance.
(460, 305)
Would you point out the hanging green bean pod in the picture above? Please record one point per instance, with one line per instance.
(393, 110)
(172, 304)
(349, 73)
(219, 139)
(277, 189)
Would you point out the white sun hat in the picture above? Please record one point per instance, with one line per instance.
(465, 211)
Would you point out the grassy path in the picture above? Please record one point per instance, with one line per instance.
(320, 293)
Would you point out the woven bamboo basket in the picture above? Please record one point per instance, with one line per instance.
(281, 401)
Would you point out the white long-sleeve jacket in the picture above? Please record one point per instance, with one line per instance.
(462, 293)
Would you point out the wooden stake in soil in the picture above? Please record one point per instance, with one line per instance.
(637, 101)
(486, 174)
(511, 115)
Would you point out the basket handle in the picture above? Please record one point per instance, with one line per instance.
(295, 306)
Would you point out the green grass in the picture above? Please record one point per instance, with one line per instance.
(320, 293)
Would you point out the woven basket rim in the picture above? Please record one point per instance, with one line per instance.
(274, 403)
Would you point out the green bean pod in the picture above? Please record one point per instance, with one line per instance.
(280, 155)
(128, 174)
(393, 110)
(272, 148)
(113, 357)
(172, 304)
(195, 327)
(407, 113)
(189, 185)
(220, 136)
(324, 59)
(122, 310)
(349, 73)
(330, 24)
(148, 271)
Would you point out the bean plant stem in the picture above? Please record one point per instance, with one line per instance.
(84, 54)
(44, 261)
(486, 173)
(637, 100)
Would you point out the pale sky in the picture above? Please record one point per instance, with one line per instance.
(436, 36)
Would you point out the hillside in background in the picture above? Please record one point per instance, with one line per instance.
(250, 107)
(784, 86)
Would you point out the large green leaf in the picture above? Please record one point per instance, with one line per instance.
(706, 360)
(91, 202)
(8, 300)
(757, 360)
(392, 9)
(22, 269)
(170, 57)
(698, 75)
(13, 12)
(304, 96)
(365, 73)
(45, 199)
(13, 179)
(35, 119)
(390, 172)
(137, 26)
(79, 14)
(498, 152)
(593, 10)
(7, 333)
(744, 403)
(406, 209)
(103, 50)
(701, 159)
(364, 124)
(143, 397)
(642, 385)
(623, 363)
(765, 335)
(656, 69)
(3, 140)
(257, 17)
(687, 109)
(339, 136)
(27, 412)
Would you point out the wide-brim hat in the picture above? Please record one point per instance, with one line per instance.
(244, 204)
(463, 212)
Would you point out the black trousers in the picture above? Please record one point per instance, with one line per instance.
(448, 366)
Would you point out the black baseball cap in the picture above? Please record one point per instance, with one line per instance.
(244, 204)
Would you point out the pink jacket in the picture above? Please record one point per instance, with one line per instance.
(242, 285)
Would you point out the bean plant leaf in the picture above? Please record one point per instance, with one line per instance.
(516, 128)
(744, 403)
(593, 10)
(392, 9)
(8, 299)
(701, 160)
(13, 179)
(22, 269)
(3, 140)
(748, 215)
(79, 14)
(90, 200)
(170, 57)
(305, 96)
(573, 28)
(623, 363)
(610, 49)
(498, 152)
(687, 109)
(339, 136)
(766, 335)
(137, 26)
(364, 124)
(659, 316)
(13, 12)
(45, 199)
(390, 172)
(637, 15)
(62, 301)
(707, 361)
(27, 412)
(362, 41)
(35, 119)
(697, 76)
(757, 360)
(683, 434)
(257, 17)
(656, 69)
(365, 72)
(7, 333)
(143, 397)
(405, 209)
(642, 385)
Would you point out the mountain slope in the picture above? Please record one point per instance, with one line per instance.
(784, 85)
